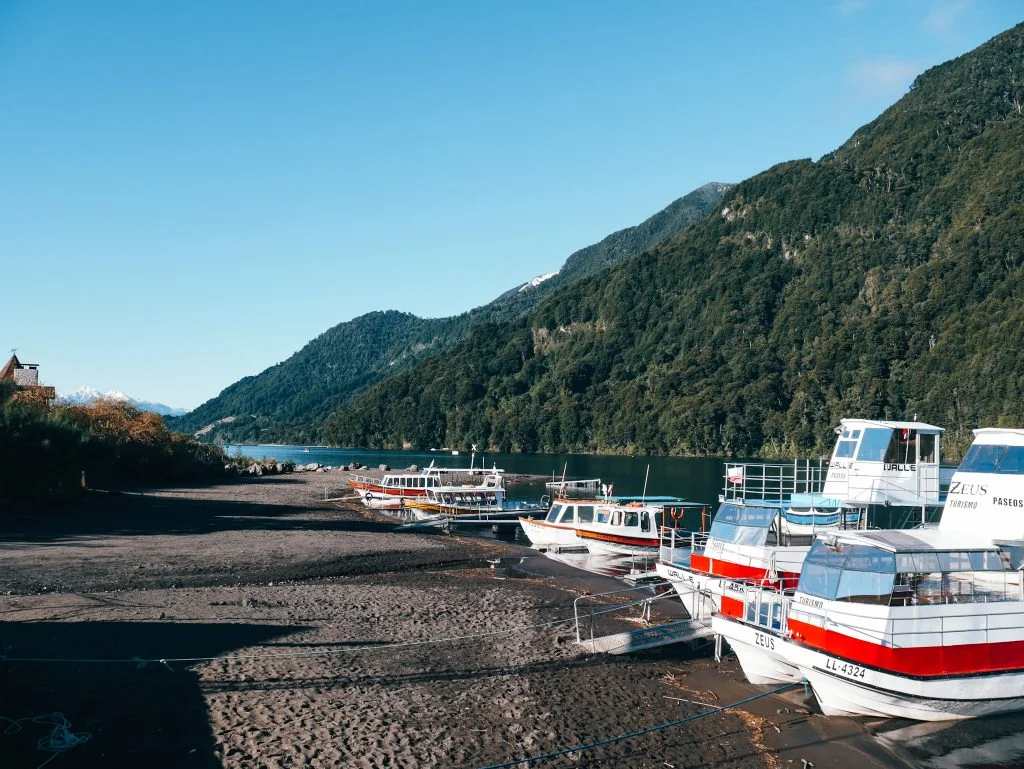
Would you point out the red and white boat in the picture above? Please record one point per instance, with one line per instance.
(389, 490)
(925, 624)
(610, 526)
(770, 513)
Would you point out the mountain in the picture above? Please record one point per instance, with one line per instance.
(90, 394)
(289, 401)
(883, 280)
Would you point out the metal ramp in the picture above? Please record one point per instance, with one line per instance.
(647, 637)
(650, 637)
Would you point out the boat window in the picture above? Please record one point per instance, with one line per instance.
(865, 587)
(981, 458)
(819, 580)
(659, 516)
(845, 448)
(632, 518)
(568, 515)
(862, 558)
(874, 444)
(553, 513)
(602, 515)
(585, 513)
(828, 555)
(617, 518)
(927, 448)
(902, 449)
(1012, 462)
(957, 561)
(989, 561)
(645, 521)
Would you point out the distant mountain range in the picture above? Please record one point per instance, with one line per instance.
(289, 402)
(90, 394)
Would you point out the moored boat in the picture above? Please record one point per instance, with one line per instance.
(770, 513)
(925, 624)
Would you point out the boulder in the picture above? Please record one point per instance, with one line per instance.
(413, 469)
(384, 467)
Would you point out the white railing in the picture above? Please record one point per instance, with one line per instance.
(677, 545)
(773, 482)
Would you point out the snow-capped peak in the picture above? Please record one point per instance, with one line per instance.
(538, 280)
(89, 394)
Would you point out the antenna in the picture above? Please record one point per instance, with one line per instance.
(643, 497)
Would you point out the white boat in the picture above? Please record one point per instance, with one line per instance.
(389, 490)
(926, 624)
(459, 499)
(770, 513)
(557, 530)
(633, 527)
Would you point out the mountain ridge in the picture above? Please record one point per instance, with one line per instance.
(876, 282)
(288, 401)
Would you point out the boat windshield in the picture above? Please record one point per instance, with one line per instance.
(866, 574)
(742, 524)
(553, 513)
(989, 458)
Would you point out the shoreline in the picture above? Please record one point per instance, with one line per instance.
(300, 601)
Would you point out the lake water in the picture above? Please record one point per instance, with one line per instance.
(987, 742)
(698, 479)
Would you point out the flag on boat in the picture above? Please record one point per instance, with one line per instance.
(606, 489)
(734, 474)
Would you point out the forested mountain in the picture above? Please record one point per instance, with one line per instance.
(884, 280)
(289, 401)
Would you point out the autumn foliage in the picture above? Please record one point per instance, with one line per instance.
(49, 451)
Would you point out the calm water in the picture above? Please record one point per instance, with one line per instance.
(988, 742)
(699, 479)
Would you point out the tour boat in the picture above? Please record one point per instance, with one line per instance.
(633, 527)
(926, 624)
(609, 526)
(392, 488)
(452, 499)
(770, 513)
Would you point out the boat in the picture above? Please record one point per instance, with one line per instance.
(391, 489)
(926, 623)
(770, 513)
(633, 526)
(485, 501)
(612, 526)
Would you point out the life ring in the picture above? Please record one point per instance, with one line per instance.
(676, 513)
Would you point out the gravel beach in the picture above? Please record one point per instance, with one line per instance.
(303, 632)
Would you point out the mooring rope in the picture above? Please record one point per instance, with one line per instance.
(57, 741)
(142, 662)
(638, 733)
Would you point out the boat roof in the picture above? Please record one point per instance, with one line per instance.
(1006, 436)
(794, 500)
(919, 426)
(920, 540)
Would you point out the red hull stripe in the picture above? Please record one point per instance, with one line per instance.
(914, 661)
(636, 541)
(719, 568)
(732, 607)
(390, 491)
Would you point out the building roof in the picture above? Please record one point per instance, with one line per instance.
(7, 372)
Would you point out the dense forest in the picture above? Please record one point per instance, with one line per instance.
(289, 402)
(883, 280)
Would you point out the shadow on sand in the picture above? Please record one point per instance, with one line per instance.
(136, 716)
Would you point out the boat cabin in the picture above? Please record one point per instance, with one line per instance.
(878, 462)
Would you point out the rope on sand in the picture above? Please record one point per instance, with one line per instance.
(515, 762)
(59, 740)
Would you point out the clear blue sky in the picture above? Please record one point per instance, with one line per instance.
(190, 191)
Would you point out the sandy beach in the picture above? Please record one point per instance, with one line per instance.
(303, 632)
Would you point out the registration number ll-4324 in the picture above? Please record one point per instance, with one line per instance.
(847, 669)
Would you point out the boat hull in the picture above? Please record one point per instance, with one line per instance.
(758, 652)
(846, 689)
(544, 535)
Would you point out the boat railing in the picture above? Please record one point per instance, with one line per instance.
(773, 482)
(590, 610)
(676, 545)
(766, 607)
